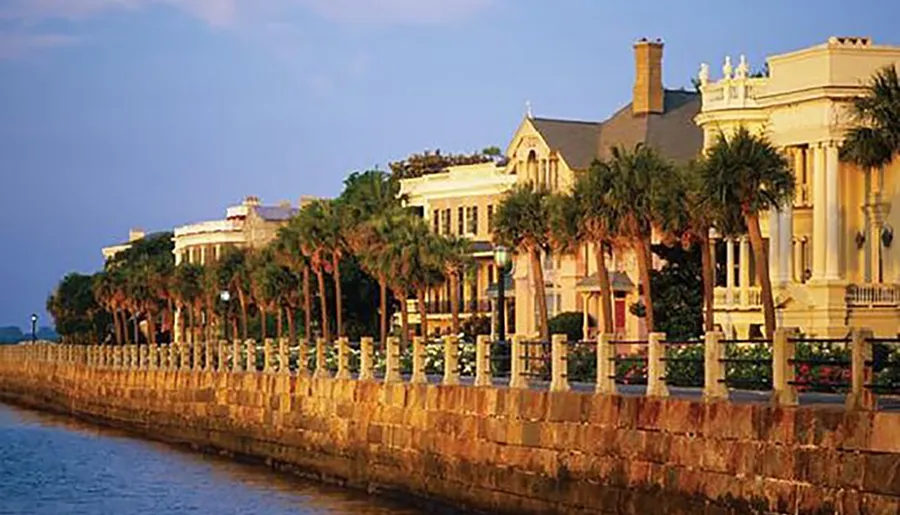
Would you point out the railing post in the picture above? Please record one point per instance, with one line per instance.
(656, 366)
(302, 357)
(283, 356)
(418, 361)
(195, 355)
(392, 360)
(559, 368)
(606, 365)
(185, 361)
(208, 349)
(153, 356)
(251, 359)
(221, 350)
(482, 360)
(783, 391)
(860, 396)
(517, 377)
(268, 345)
(236, 364)
(714, 387)
(321, 365)
(451, 360)
(365, 358)
(343, 358)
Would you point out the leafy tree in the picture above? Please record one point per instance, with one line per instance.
(522, 223)
(747, 175)
(678, 292)
(428, 163)
(188, 290)
(230, 273)
(77, 315)
(288, 249)
(569, 323)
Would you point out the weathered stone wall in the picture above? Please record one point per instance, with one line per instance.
(501, 450)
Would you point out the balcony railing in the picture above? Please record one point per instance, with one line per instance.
(465, 307)
(873, 295)
(753, 298)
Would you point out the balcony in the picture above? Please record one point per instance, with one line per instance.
(873, 295)
(753, 299)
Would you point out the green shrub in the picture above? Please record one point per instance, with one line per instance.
(569, 323)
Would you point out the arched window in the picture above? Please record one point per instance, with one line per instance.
(531, 167)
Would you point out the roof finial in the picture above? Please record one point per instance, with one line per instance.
(528, 112)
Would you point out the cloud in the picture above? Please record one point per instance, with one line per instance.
(395, 11)
(17, 44)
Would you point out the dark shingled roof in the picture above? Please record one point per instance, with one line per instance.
(673, 134)
(618, 281)
(276, 213)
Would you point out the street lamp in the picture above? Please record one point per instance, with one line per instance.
(225, 297)
(34, 319)
(501, 260)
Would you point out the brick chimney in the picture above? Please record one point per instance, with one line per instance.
(648, 87)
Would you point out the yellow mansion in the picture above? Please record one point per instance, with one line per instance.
(833, 262)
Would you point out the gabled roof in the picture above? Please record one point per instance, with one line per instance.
(673, 133)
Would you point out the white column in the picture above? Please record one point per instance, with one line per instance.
(745, 271)
(798, 261)
(729, 271)
(819, 210)
(833, 213)
(774, 246)
(785, 247)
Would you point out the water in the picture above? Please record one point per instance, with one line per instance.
(56, 466)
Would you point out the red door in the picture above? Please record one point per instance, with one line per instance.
(620, 315)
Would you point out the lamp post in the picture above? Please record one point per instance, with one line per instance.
(225, 297)
(501, 261)
(34, 319)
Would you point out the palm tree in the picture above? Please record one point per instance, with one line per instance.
(188, 288)
(231, 272)
(102, 288)
(368, 198)
(634, 179)
(288, 252)
(266, 285)
(396, 237)
(522, 223)
(452, 253)
(746, 174)
(314, 241)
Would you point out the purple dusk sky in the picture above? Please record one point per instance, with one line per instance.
(155, 113)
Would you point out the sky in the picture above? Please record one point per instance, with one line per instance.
(156, 113)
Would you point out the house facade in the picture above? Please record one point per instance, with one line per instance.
(833, 261)
(461, 201)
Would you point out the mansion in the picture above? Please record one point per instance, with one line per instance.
(831, 257)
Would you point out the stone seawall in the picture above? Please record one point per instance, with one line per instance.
(501, 450)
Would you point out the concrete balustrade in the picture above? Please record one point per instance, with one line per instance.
(482, 360)
(284, 362)
(861, 373)
(303, 357)
(714, 387)
(343, 358)
(236, 364)
(656, 366)
(392, 360)
(517, 365)
(451, 360)
(366, 357)
(321, 364)
(606, 366)
(268, 346)
(559, 374)
(783, 391)
(251, 357)
(418, 361)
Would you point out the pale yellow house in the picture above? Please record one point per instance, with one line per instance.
(551, 152)
(461, 201)
(133, 236)
(833, 262)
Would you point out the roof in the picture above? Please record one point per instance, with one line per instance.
(673, 133)
(148, 236)
(618, 281)
(275, 213)
(480, 247)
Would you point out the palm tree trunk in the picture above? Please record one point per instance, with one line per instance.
(123, 316)
(707, 272)
(404, 318)
(263, 322)
(605, 289)
(541, 294)
(642, 250)
(338, 300)
(307, 305)
(234, 326)
(137, 328)
(242, 299)
(323, 303)
(454, 303)
(762, 271)
(423, 315)
(151, 328)
(292, 327)
(382, 287)
(279, 322)
(116, 326)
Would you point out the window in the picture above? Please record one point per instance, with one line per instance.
(473, 220)
(436, 222)
(490, 218)
(460, 221)
(445, 229)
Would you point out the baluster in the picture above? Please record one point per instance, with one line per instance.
(783, 391)
(392, 360)
(517, 377)
(418, 361)
(343, 349)
(656, 366)
(559, 380)
(482, 360)
(321, 366)
(451, 360)
(365, 358)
